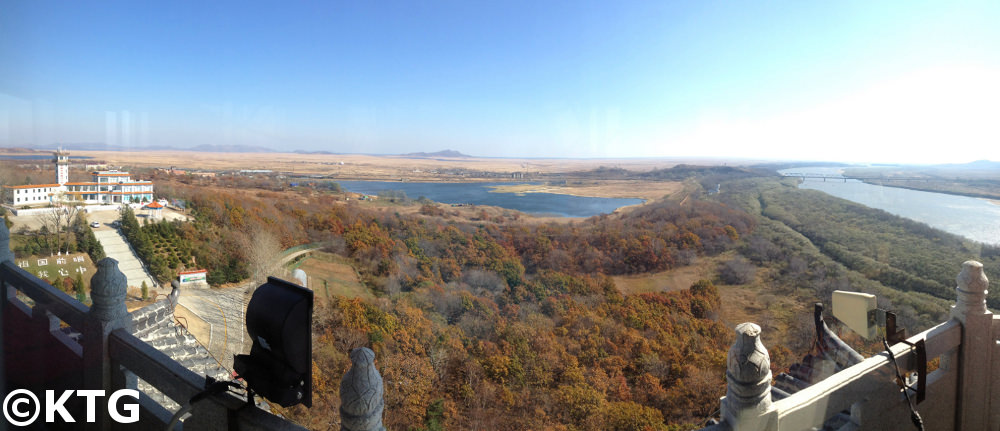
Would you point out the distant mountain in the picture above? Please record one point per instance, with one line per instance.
(313, 152)
(20, 150)
(99, 146)
(445, 153)
(230, 149)
(977, 165)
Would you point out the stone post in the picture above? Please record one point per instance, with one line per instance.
(6, 255)
(973, 403)
(361, 390)
(748, 373)
(108, 312)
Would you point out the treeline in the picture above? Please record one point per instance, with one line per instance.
(505, 325)
(169, 247)
(897, 252)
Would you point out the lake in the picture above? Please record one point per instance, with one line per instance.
(973, 218)
(481, 194)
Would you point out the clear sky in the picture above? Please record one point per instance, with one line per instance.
(880, 81)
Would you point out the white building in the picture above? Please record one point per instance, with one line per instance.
(105, 187)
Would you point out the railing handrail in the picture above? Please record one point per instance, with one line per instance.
(179, 383)
(59, 303)
(839, 391)
(141, 359)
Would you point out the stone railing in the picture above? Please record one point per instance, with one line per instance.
(50, 341)
(53, 342)
(962, 393)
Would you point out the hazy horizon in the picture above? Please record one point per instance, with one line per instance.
(893, 82)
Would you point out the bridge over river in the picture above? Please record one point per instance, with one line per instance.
(839, 177)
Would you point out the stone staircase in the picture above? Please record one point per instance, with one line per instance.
(118, 249)
(155, 325)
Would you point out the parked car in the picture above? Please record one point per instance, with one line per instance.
(95, 224)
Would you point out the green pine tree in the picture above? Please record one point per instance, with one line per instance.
(81, 293)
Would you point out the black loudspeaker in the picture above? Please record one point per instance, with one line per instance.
(279, 321)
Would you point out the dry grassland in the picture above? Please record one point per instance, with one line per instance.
(341, 278)
(369, 166)
(667, 281)
(648, 190)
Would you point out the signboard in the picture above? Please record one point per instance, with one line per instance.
(193, 276)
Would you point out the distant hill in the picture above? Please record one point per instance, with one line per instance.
(445, 153)
(20, 150)
(313, 152)
(98, 146)
(976, 165)
(231, 149)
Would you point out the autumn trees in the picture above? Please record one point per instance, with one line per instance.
(496, 324)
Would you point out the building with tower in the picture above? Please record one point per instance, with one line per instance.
(61, 159)
(105, 187)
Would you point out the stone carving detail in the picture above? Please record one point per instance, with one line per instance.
(361, 390)
(5, 253)
(971, 290)
(748, 371)
(107, 290)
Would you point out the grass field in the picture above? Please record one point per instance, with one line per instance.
(337, 273)
(50, 267)
(666, 281)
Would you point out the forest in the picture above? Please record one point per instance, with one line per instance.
(497, 324)
(500, 323)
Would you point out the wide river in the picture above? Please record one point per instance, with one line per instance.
(482, 194)
(974, 218)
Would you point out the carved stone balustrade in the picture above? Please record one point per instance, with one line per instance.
(361, 394)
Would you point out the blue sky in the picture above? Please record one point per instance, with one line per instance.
(855, 81)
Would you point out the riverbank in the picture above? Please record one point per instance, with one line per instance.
(948, 189)
(646, 190)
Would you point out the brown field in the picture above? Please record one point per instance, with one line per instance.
(339, 275)
(666, 281)
(648, 190)
(370, 166)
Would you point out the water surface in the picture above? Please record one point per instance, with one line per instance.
(481, 194)
(973, 218)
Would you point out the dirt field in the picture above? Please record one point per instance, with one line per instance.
(371, 166)
(667, 281)
(340, 277)
(648, 190)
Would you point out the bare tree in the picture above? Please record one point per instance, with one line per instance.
(72, 211)
(58, 221)
(54, 220)
(262, 251)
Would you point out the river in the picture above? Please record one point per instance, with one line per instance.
(973, 218)
(482, 194)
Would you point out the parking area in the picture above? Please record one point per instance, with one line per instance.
(103, 218)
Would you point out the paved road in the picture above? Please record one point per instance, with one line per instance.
(116, 248)
(223, 313)
(223, 310)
